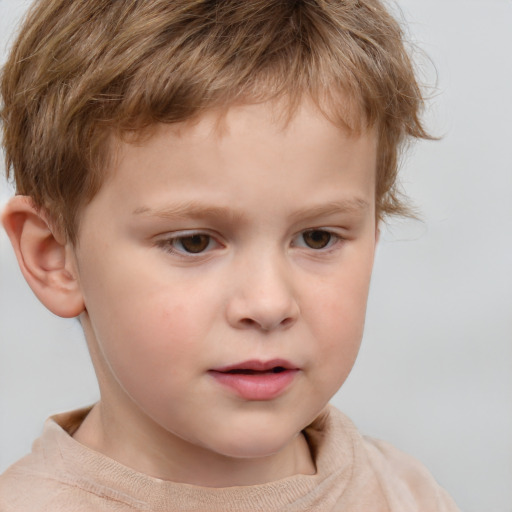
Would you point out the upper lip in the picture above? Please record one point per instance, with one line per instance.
(257, 366)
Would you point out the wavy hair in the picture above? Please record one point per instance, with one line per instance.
(82, 70)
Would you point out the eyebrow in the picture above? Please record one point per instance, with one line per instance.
(354, 206)
(197, 210)
(190, 209)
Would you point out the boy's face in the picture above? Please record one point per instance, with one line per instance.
(225, 270)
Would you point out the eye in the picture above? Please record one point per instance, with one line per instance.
(188, 243)
(316, 239)
(193, 244)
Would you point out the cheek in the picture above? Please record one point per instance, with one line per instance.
(338, 310)
(152, 331)
(151, 351)
(340, 301)
(146, 332)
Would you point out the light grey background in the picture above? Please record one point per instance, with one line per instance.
(434, 375)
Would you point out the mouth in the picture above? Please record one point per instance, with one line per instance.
(254, 367)
(247, 371)
(257, 380)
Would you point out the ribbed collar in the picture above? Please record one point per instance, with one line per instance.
(332, 438)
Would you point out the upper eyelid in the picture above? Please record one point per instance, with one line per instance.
(330, 247)
(337, 232)
(171, 235)
(167, 244)
(184, 233)
(218, 238)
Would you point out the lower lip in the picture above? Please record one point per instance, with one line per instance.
(258, 386)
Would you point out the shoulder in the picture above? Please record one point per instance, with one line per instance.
(405, 479)
(394, 477)
(25, 487)
(34, 484)
(51, 479)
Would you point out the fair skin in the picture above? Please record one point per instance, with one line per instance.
(212, 244)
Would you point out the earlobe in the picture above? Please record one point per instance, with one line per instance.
(46, 260)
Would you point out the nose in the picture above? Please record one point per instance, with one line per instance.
(262, 295)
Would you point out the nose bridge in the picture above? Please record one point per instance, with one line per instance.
(263, 294)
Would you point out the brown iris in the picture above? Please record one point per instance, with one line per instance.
(317, 239)
(194, 243)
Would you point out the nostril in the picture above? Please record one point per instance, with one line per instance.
(265, 326)
(287, 321)
(248, 322)
(263, 306)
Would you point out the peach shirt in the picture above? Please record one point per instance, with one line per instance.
(354, 474)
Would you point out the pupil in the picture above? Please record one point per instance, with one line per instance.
(317, 239)
(195, 243)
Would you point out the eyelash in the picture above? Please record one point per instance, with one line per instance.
(334, 239)
(169, 244)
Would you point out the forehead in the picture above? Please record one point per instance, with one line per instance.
(340, 108)
(242, 153)
(276, 128)
(246, 167)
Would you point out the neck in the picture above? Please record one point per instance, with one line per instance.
(139, 443)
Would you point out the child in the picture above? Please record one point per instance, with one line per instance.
(200, 183)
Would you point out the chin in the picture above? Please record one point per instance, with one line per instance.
(252, 444)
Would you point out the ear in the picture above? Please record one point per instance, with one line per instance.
(45, 258)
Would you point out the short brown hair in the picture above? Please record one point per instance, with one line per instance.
(81, 70)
